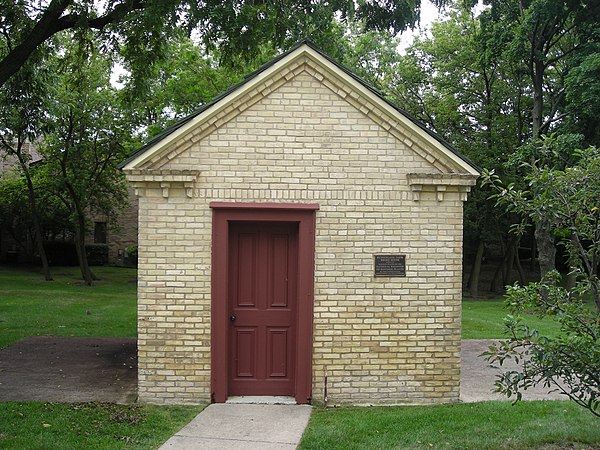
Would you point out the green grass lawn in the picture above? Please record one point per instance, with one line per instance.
(487, 425)
(35, 425)
(65, 307)
(30, 306)
(483, 319)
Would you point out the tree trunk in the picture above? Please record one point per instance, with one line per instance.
(538, 99)
(79, 211)
(37, 226)
(509, 262)
(503, 268)
(595, 267)
(596, 294)
(494, 282)
(546, 247)
(572, 275)
(513, 260)
(536, 72)
(475, 272)
(42, 251)
(520, 268)
(545, 241)
(533, 254)
(84, 266)
(571, 280)
(47, 25)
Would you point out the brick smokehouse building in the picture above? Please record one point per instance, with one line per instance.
(300, 235)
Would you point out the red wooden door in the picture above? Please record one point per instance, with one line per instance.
(263, 272)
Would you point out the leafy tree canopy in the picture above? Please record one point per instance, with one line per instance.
(139, 28)
(85, 138)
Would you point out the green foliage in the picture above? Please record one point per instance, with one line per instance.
(371, 55)
(543, 39)
(84, 138)
(139, 30)
(189, 76)
(483, 425)
(97, 254)
(131, 256)
(23, 101)
(180, 83)
(132, 251)
(541, 43)
(64, 253)
(569, 200)
(487, 84)
(568, 362)
(582, 94)
(460, 83)
(16, 215)
(35, 425)
(554, 151)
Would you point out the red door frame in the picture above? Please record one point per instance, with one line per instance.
(305, 216)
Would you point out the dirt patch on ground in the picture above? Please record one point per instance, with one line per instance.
(69, 369)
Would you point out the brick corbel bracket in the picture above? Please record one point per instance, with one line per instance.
(163, 179)
(441, 183)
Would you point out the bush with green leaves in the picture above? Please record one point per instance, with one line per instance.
(569, 200)
(569, 362)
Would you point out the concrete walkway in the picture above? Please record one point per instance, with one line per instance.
(104, 369)
(477, 377)
(238, 426)
(241, 426)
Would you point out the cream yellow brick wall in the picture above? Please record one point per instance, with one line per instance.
(173, 300)
(381, 340)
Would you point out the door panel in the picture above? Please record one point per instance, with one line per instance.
(262, 299)
(277, 339)
(245, 348)
(278, 273)
(245, 282)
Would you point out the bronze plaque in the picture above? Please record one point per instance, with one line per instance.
(390, 265)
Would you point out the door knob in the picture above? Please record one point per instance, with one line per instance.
(232, 317)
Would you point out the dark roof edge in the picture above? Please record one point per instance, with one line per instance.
(171, 129)
(408, 115)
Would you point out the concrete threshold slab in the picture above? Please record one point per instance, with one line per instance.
(261, 400)
(243, 426)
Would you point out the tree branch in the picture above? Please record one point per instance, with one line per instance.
(117, 14)
(43, 29)
(51, 23)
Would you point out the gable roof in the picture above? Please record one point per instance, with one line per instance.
(303, 48)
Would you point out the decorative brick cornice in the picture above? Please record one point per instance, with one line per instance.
(330, 76)
(441, 182)
(165, 178)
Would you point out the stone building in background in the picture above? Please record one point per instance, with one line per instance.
(18, 247)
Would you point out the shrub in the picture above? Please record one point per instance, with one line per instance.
(63, 253)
